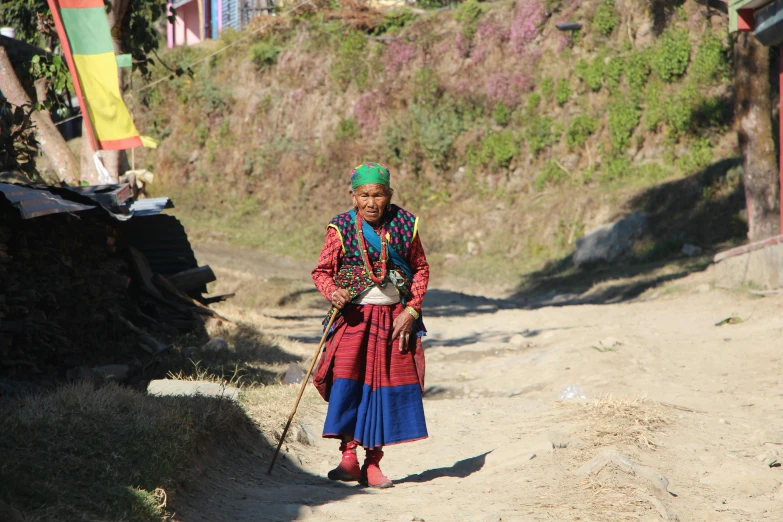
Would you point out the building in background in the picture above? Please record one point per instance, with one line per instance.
(199, 20)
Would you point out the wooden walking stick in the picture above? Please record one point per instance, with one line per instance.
(301, 391)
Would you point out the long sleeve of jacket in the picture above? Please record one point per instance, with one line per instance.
(328, 264)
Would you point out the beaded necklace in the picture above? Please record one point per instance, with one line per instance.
(365, 258)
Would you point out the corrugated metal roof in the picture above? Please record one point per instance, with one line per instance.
(150, 206)
(34, 202)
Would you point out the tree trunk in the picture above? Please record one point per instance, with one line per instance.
(753, 109)
(89, 172)
(49, 138)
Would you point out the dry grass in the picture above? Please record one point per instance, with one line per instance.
(107, 453)
(625, 420)
(270, 407)
(252, 358)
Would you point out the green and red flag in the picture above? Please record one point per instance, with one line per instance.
(89, 51)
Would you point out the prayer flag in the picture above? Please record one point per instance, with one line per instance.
(89, 51)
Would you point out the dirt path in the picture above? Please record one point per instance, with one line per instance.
(667, 388)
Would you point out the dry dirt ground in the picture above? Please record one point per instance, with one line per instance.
(681, 418)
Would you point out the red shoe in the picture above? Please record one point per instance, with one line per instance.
(372, 475)
(348, 470)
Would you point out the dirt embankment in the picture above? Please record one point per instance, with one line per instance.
(509, 137)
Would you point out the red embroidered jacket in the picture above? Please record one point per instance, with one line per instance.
(332, 254)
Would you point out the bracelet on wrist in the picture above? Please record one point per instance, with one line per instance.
(412, 311)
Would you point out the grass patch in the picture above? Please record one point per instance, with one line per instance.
(625, 420)
(82, 453)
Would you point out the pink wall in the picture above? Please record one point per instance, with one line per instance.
(186, 29)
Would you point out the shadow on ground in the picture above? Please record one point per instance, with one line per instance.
(701, 209)
(460, 469)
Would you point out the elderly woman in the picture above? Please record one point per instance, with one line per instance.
(373, 270)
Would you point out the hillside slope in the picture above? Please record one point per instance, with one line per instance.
(509, 137)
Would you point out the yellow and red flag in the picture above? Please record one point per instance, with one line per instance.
(89, 51)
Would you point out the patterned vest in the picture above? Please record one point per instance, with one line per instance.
(400, 226)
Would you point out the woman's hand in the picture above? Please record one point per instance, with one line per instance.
(403, 326)
(340, 298)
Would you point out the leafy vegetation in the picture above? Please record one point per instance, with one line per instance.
(500, 114)
(349, 66)
(591, 72)
(547, 86)
(579, 130)
(637, 70)
(624, 116)
(613, 71)
(496, 151)
(468, 15)
(538, 135)
(551, 174)
(710, 62)
(347, 130)
(562, 92)
(671, 55)
(606, 17)
(264, 54)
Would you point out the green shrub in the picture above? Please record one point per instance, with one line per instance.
(426, 86)
(551, 174)
(671, 55)
(592, 73)
(679, 110)
(654, 112)
(435, 129)
(699, 156)
(533, 101)
(624, 116)
(434, 4)
(606, 17)
(710, 62)
(580, 129)
(500, 114)
(496, 150)
(349, 65)
(616, 168)
(396, 138)
(637, 69)
(562, 92)
(206, 93)
(202, 133)
(468, 15)
(547, 86)
(396, 19)
(539, 134)
(264, 54)
(347, 130)
(613, 71)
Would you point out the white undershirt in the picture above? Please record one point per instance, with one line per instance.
(376, 295)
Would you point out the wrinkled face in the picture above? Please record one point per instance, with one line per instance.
(371, 201)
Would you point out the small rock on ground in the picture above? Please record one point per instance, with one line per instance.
(164, 387)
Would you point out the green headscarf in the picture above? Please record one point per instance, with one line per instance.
(370, 173)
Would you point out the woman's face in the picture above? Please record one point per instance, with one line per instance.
(371, 201)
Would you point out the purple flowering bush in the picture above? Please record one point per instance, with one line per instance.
(524, 30)
(396, 55)
(506, 88)
(366, 111)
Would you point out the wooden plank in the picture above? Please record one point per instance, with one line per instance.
(216, 298)
(181, 297)
(141, 268)
(192, 279)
